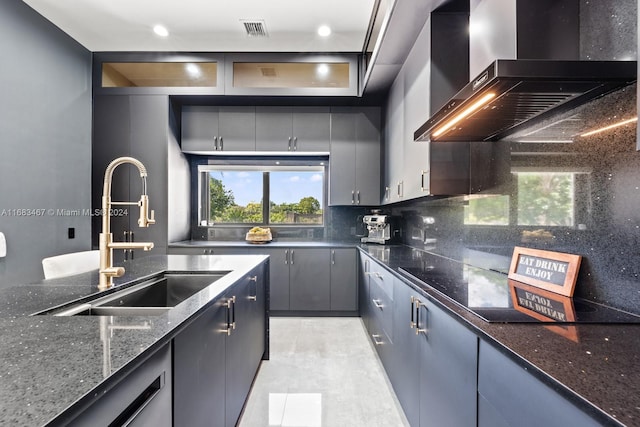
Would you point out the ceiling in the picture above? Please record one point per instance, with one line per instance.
(211, 25)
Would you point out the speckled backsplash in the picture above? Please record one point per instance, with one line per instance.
(581, 197)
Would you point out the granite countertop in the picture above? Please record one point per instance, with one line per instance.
(597, 371)
(278, 243)
(48, 363)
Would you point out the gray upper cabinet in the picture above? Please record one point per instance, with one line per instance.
(214, 129)
(354, 177)
(291, 129)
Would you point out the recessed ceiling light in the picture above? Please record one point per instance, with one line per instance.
(322, 70)
(324, 31)
(161, 30)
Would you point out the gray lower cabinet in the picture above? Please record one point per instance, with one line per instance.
(199, 369)
(430, 358)
(363, 289)
(211, 128)
(354, 177)
(508, 395)
(344, 280)
(142, 398)
(217, 356)
(448, 368)
(293, 129)
(310, 278)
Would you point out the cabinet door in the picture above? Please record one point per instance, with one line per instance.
(344, 288)
(237, 129)
(311, 129)
(367, 166)
(363, 289)
(394, 143)
(342, 160)
(274, 126)
(199, 369)
(207, 251)
(512, 396)
(142, 398)
(448, 370)
(278, 278)
(405, 364)
(310, 277)
(199, 128)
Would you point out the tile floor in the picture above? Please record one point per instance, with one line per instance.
(323, 372)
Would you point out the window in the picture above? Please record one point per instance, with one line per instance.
(487, 210)
(546, 198)
(235, 194)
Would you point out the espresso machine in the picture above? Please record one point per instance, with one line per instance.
(379, 228)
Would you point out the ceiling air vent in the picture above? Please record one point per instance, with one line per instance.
(268, 72)
(255, 28)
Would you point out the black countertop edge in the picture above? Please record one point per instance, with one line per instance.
(485, 330)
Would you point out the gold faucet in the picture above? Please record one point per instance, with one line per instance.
(107, 245)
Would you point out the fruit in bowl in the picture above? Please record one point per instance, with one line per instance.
(259, 235)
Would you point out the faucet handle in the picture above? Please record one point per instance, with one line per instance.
(144, 220)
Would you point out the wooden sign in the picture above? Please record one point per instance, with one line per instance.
(554, 271)
(545, 306)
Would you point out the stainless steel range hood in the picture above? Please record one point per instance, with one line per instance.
(511, 93)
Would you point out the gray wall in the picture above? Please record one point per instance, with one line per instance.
(45, 141)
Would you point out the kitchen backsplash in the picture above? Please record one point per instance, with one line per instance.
(581, 197)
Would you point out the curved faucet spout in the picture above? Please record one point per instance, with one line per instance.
(107, 270)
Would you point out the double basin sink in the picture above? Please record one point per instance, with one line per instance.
(152, 297)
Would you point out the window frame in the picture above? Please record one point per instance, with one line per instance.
(266, 166)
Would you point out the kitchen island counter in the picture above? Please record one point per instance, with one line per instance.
(49, 363)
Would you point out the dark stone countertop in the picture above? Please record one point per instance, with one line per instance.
(598, 372)
(277, 243)
(49, 363)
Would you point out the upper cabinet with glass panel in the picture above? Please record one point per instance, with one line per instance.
(230, 74)
(322, 75)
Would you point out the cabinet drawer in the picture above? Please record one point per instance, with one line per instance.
(381, 340)
(381, 306)
(382, 279)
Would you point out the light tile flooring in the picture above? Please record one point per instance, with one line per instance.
(322, 372)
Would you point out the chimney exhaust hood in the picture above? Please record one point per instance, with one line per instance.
(511, 93)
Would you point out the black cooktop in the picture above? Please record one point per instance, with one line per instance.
(493, 297)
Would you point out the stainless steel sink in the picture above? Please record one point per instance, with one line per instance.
(152, 297)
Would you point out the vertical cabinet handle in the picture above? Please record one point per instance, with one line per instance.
(289, 146)
(215, 143)
(358, 197)
(233, 312)
(295, 143)
(126, 251)
(412, 324)
(353, 197)
(221, 144)
(254, 297)
(419, 304)
(333, 257)
(422, 186)
(228, 305)
(286, 256)
(292, 256)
